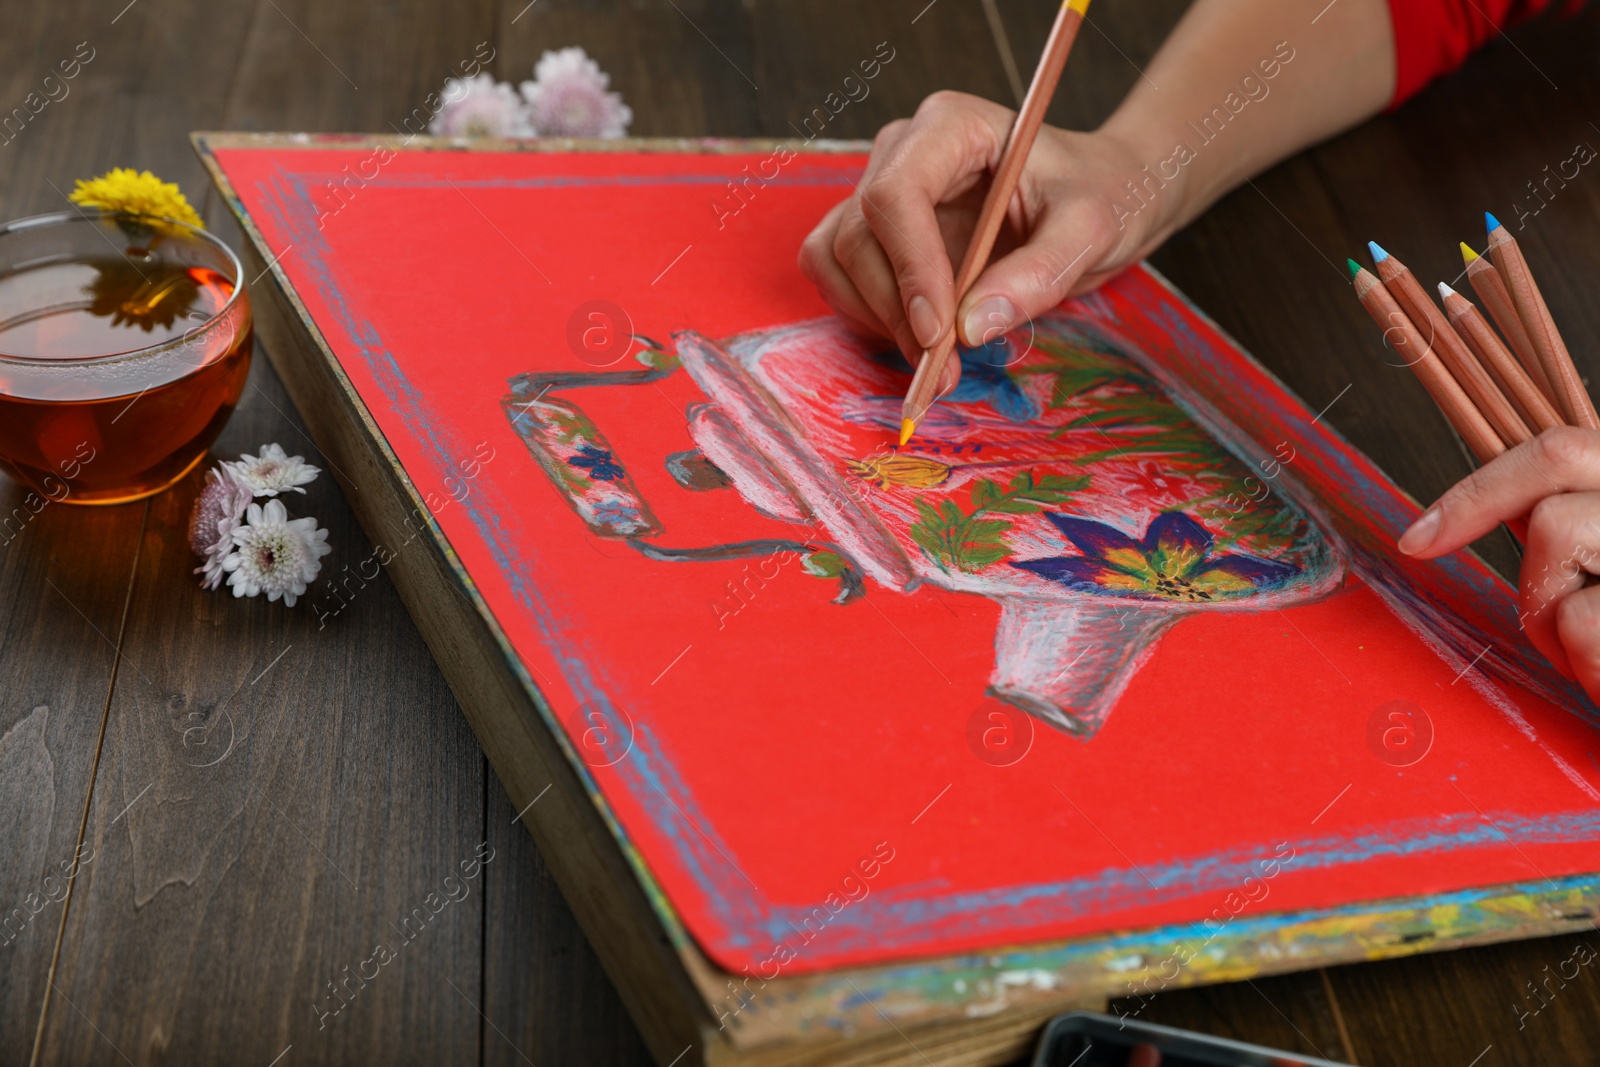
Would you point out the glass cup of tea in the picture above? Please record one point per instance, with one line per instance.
(124, 346)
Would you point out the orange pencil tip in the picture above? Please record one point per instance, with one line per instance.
(907, 428)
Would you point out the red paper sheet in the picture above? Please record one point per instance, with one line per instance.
(814, 784)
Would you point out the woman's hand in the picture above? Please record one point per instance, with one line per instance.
(1090, 204)
(883, 258)
(1555, 481)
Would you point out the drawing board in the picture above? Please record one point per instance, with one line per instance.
(1119, 642)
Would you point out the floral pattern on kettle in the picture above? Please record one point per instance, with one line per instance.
(1115, 441)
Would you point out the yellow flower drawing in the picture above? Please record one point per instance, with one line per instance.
(911, 471)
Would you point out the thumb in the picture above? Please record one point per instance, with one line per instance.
(1032, 279)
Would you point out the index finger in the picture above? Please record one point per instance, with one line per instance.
(947, 148)
(1562, 460)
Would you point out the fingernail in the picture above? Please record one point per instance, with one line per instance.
(989, 320)
(947, 380)
(924, 320)
(1422, 533)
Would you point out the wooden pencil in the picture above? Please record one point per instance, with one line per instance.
(1491, 289)
(1571, 397)
(1514, 382)
(1019, 142)
(1457, 357)
(1446, 392)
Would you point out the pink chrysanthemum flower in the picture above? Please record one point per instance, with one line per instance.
(568, 98)
(480, 107)
(217, 513)
(274, 554)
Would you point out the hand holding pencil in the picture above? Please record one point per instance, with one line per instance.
(928, 383)
(1088, 205)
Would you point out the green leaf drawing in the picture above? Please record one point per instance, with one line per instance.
(823, 564)
(570, 423)
(656, 359)
(1262, 528)
(1082, 365)
(1138, 423)
(1124, 414)
(1116, 400)
(969, 541)
(561, 422)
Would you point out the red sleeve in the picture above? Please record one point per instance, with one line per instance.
(1434, 37)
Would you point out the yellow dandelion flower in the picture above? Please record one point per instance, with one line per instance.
(914, 472)
(127, 191)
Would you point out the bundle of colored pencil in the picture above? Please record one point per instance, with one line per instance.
(1496, 393)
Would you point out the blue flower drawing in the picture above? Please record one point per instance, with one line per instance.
(984, 379)
(599, 464)
(1175, 560)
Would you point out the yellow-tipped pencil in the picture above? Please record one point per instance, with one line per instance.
(1491, 289)
(930, 372)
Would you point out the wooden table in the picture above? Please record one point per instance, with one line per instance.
(259, 794)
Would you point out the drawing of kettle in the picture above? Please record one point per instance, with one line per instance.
(1068, 478)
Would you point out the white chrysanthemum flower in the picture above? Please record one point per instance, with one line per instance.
(568, 98)
(272, 472)
(217, 513)
(480, 107)
(275, 555)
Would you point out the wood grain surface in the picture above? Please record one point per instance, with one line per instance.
(263, 792)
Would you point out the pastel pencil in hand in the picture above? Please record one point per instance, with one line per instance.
(1403, 337)
(1539, 413)
(1457, 357)
(1571, 397)
(1491, 289)
(931, 371)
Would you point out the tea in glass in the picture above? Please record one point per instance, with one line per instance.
(124, 347)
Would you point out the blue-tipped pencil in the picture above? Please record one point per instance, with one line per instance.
(1570, 395)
